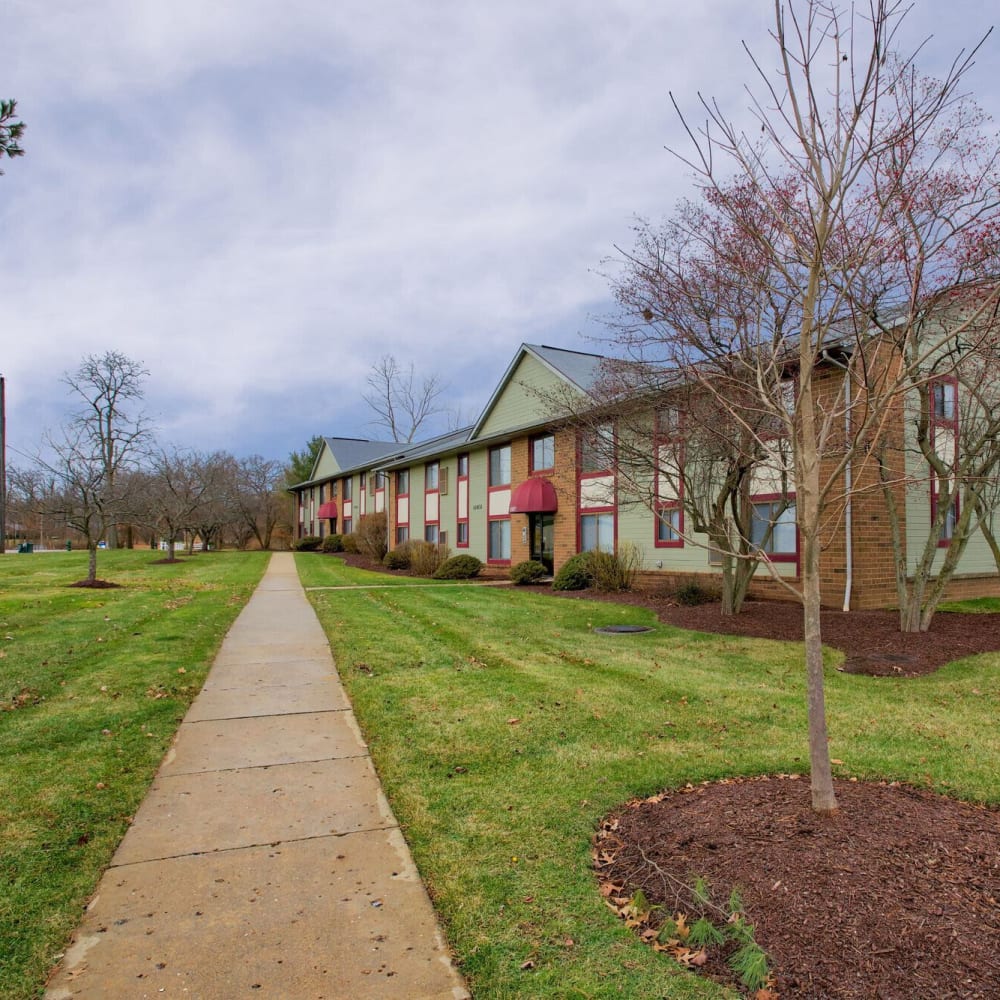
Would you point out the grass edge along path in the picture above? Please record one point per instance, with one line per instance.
(504, 729)
(94, 684)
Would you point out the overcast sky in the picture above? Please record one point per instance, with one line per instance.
(258, 200)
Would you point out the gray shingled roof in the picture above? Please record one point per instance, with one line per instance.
(581, 369)
(353, 453)
(440, 445)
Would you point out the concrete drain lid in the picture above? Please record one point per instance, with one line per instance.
(623, 629)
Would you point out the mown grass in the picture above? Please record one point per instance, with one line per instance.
(93, 684)
(318, 569)
(504, 728)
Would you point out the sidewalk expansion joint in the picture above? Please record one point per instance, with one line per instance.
(269, 715)
(257, 767)
(332, 835)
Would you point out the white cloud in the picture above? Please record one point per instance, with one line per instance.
(258, 201)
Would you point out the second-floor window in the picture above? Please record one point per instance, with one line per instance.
(543, 453)
(500, 466)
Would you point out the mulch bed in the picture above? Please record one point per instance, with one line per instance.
(95, 584)
(895, 897)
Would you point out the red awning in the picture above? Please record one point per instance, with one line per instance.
(534, 496)
(328, 509)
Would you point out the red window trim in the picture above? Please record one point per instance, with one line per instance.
(429, 492)
(458, 493)
(403, 496)
(586, 512)
(489, 468)
(952, 424)
(539, 470)
(659, 440)
(781, 557)
(490, 561)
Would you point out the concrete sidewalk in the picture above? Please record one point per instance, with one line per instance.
(264, 862)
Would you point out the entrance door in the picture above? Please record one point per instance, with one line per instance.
(542, 529)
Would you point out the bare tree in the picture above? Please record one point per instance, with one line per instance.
(401, 402)
(78, 491)
(867, 189)
(107, 384)
(181, 487)
(260, 498)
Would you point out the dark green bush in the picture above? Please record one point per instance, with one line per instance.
(458, 568)
(574, 574)
(308, 543)
(333, 543)
(529, 571)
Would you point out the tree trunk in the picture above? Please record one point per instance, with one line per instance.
(823, 798)
(91, 562)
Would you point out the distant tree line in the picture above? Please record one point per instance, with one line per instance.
(103, 478)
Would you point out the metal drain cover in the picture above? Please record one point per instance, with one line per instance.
(623, 629)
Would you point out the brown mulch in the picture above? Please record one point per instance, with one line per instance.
(895, 896)
(95, 584)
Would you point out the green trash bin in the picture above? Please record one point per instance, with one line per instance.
(69, 545)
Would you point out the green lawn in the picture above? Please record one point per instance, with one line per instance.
(504, 728)
(316, 569)
(93, 684)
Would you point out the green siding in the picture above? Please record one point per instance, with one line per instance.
(530, 397)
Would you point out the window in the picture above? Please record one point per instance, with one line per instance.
(348, 490)
(668, 422)
(944, 438)
(364, 480)
(543, 453)
(322, 491)
(402, 533)
(500, 466)
(348, 525)
(597, 533)
(597, 449)
(783, 540)
(380, 480)
(462, 501)
(431, 533)
(944, 396)
(403, 482)
(668, 526)
(499, 541)
(432, 473)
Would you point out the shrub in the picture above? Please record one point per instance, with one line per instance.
(691, 593)
(350, 543)
(458, 568)
(333, 543)
(372, 538)
(574, 574)
(426, 557)
(308, 543)
(614, 572)
(398, 558)
(529, 571)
